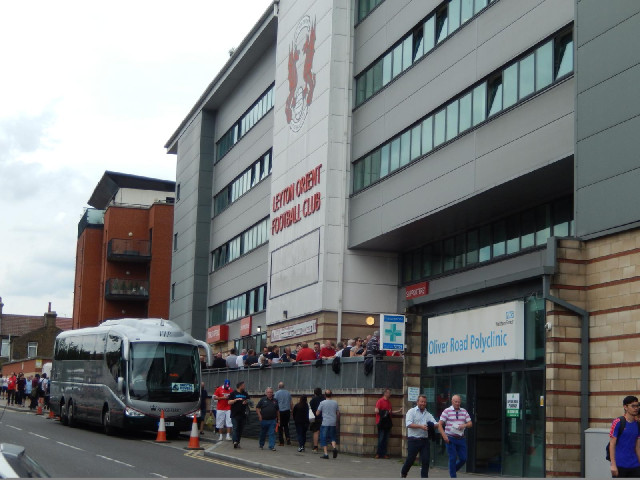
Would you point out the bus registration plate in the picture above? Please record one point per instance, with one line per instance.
(168, 424)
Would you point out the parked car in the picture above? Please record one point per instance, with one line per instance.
(14, 463)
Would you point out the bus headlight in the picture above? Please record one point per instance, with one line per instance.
(130, 412)
(195, 413)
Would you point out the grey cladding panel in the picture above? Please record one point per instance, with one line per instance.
(595, 17)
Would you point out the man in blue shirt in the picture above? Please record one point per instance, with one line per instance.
(417, 422)
(285, 405)
(625, 449)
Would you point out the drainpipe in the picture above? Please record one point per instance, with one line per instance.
(584, 362)
(345, 178)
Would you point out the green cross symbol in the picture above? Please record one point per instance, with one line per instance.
(393, 332)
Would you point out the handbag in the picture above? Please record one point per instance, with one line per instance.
(385, 422)
(312, 416)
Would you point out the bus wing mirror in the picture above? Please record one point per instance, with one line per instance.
(207, 349)
(121, 384)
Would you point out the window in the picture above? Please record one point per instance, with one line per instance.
(4, 352)
(173, 292)
(175, 242)
(248, 179)
(365, 7)
(177, 192)
(502, 89)
(32, 349)
(248, 240)
(239, 306)
(258, 110)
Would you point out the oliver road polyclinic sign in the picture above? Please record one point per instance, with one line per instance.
(488, 334)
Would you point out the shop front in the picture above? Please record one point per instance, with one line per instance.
(493, 357)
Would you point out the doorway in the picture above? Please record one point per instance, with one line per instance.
(485, 439)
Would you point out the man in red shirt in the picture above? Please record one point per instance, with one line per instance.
(328, 352)
(383, 411)
(305, 354)
(223, 413)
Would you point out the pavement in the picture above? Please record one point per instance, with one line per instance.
(288, 462)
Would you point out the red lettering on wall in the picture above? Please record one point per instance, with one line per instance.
(309, 206)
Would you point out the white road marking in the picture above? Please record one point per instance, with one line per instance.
(157, 475)
(116, 461)
(70, 446)
(16, 428)
(41, 436)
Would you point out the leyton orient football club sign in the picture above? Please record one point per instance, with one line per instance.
(301, 54)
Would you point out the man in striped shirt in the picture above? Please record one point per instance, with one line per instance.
(455, 420)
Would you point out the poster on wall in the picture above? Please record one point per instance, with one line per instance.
(487, 334)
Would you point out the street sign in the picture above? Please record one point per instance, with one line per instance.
(513, 405)
(413, 393)
(392, 332)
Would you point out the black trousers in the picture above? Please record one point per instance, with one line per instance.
(624, 472)
(417, 446)
(283, 431)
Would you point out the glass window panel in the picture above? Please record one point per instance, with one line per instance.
(363, 9)
(427, 135)
(449, 254)
(395, 154)
(484, 244)
(436, 258)
(466, 10)
(367, 170)
(527, 78)
(479, 103)
(415, 141)
(361, 84)
(452, 120)
(562, 215)
(358, 176)
(407, 265)
(472, 247)
(460, 251)
(479, 5)
(429, 35)
(439, 128)
(544, 65)
(426, 261)
(543, 224)
(407, 52)
(441, 24)
(377, 76)
(405, 147)
(418, 44)
(387, 68)
(454, 15)
(368, 89)
(465, 112)
(416, 269)
(494, 89)
(510, 86)
(384, 160)
(397, 60)
(563, 57)
(513, 234)
(499, 238)
(375, 166)
(528, 227)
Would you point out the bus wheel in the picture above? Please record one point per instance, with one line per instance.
(106, 422)
(64, 420)
(71, 419)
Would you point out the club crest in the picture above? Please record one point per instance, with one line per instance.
(301, 89)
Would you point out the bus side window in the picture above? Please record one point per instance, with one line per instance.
(113, 355)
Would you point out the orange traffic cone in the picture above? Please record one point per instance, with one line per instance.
(39, 410)
(162, 431)
(194, 439)
(51, 415)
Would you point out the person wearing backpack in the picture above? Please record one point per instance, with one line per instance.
(624, 441)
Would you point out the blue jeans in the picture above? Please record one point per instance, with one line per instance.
(268, 426)
(415, 446)
(238, 427)
(301, 430)
(457, 449)
(327, 435)
(383, 440)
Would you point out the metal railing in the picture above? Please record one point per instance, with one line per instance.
(129, 250)
(126, 289)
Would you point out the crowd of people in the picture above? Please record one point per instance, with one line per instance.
(23, 391)
(303, 353)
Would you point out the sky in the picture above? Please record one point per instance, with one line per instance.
(87, 87)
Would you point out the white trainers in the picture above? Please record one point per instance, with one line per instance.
(228, 437)
(220, 439)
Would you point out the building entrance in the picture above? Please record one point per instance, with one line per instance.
(485, 438)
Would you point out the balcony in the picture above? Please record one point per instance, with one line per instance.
(127, 250)
(127, 289)
(92, 218)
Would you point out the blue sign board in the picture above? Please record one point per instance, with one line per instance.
(392, 332)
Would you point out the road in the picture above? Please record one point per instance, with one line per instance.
(87, 452)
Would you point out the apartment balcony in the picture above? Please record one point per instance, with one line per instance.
(92, 218)
(127, 289)
(127, 250)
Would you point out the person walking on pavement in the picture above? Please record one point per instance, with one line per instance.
(203, 407)
(328, 408)
(285, 405)
(455, 420)
(301, 420)
(417, 422)
(238, 399)
(384, 412)
(317, 422)
(269, 417)
(624, 441)
(223, 413)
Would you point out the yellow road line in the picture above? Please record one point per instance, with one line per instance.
(199, 456)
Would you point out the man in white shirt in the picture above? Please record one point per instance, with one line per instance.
(241, 358)
(417, 423)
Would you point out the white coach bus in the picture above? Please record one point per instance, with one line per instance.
(123, 373)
